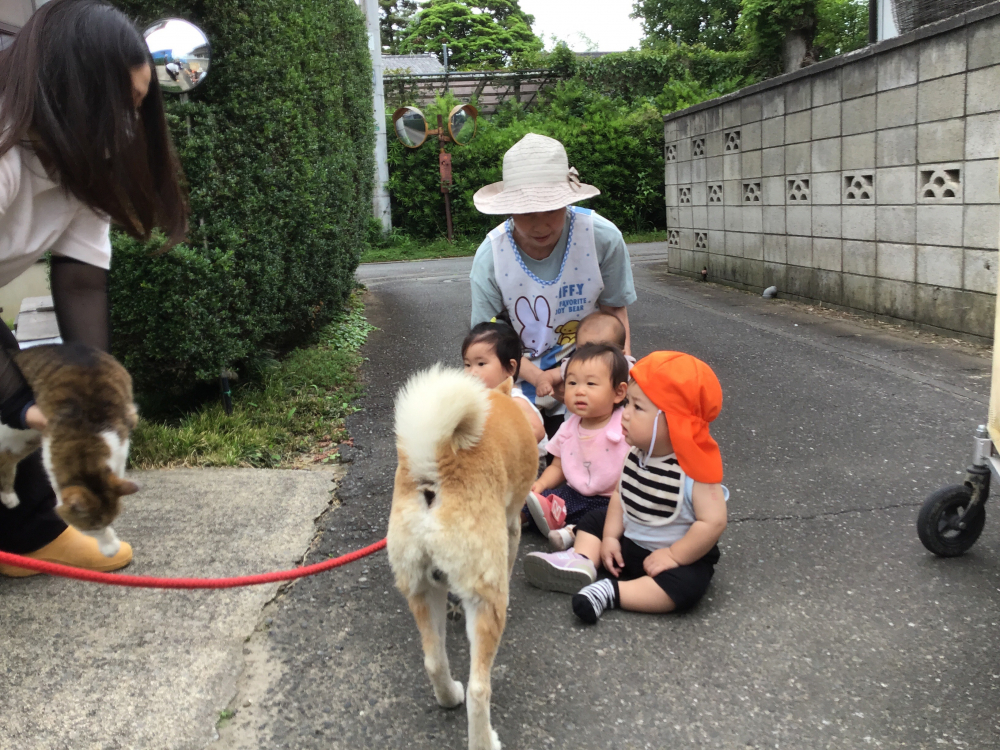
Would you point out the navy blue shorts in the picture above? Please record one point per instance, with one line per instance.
(577, 505)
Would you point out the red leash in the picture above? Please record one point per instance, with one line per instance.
(150, 582)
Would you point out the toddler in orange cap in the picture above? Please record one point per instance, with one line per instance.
(658, 537)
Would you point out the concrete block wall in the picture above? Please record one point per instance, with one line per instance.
(867, 182)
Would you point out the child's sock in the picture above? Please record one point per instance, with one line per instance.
(592, 600)
(563, 538)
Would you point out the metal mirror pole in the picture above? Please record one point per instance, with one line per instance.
(444, 165)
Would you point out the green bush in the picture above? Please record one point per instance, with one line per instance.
(279, 163)
(641, 74)
(616, 147)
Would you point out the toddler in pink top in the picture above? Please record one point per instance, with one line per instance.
(589, 449)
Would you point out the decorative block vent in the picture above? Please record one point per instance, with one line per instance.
(859, 188)
(751, 192)
(732, 140)
(701, 240)
(697, 147)
(940, 185)
(798, 190)
(684, 195)
(715, 192)
(674, 238)
(671, 154)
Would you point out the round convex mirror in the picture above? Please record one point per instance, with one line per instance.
(410, 125)
(181, 54)
(462, 123)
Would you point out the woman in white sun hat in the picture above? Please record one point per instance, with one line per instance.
(549, 265)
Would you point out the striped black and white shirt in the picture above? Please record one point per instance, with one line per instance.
(656, 511)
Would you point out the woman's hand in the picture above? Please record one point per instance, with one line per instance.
(611, 555)
(658, 561)
(34, 419)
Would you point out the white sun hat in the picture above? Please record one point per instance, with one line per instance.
(536, 177)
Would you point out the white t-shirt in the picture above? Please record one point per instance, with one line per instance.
(543, 444)
(37, 214)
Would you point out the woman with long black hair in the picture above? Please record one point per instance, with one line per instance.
(83, 142)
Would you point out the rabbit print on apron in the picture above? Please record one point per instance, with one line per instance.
(546, 313)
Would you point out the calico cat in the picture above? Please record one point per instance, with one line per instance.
(87, 397)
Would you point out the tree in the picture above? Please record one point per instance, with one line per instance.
(479, 33)
(797, 33)
(842, 26)
(395, 16)
(781, 30)
(709, 22)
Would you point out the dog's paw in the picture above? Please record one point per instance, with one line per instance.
(452, 696)
(10, 499)
(495, 740)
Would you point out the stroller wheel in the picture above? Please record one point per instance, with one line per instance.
(945, 525)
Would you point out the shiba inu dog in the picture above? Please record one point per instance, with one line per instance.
(467, 458)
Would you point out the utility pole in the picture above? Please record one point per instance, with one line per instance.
(380, 200)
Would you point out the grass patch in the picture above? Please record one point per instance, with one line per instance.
(398, 246)
(293, 416)
(659, 235)
(402, 247)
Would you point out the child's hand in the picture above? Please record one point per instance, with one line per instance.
(544, 385)
(548, 381)
(538, 488)
(611, 555)
(658, 561)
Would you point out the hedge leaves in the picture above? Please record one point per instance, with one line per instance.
(279, 163)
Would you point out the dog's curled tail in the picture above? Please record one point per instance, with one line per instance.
(437, 406)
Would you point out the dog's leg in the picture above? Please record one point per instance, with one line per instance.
(513, 540)
(484, 625)
(430, 611)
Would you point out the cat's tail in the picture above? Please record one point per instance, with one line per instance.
(438, 409)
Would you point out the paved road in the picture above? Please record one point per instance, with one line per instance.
(827, 625)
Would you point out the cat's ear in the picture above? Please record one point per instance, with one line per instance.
(124, 486)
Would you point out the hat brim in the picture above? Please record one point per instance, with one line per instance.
(493, 199)
(697, 452)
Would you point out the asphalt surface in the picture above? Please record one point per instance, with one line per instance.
(827, 625)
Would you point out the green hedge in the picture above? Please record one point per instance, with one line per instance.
(279, 163)
(644, 73)
(617, 148)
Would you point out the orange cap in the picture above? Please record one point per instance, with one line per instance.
(687, 392)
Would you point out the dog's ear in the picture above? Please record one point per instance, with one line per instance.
(506, 386)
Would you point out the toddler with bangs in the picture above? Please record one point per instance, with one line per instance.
(492, 353)
(588, 449)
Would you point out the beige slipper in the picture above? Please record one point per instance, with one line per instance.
(76, 550)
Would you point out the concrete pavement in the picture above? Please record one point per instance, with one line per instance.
(92, 667)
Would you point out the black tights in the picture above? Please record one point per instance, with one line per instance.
(80, 294)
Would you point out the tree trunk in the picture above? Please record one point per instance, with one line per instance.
(794, 50)
(797, 48)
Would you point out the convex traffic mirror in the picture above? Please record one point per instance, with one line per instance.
(181, 54)
(410, 125)
(462, 123)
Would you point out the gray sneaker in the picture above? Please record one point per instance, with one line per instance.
(566, 571)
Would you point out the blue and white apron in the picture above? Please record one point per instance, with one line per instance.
(546, 313)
